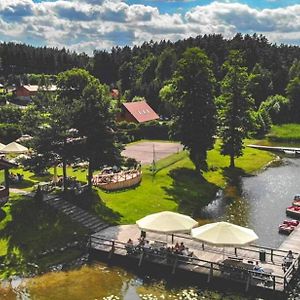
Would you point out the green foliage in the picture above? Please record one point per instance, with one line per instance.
(285, 133)
(153, 130)
(277, 106)
(89, 110)
(293, 94)
(29, 229)
(235, 104)
(10, 114)
(193, 92)
(260, 84)
(9, 132)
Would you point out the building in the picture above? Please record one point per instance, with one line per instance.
(25, 92)
(4, 180)
(137, 112)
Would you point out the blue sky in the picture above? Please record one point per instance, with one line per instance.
(86, 25)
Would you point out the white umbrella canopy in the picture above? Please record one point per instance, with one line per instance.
(167, 222)
(224, 234)
(2, 146)
(14, 148)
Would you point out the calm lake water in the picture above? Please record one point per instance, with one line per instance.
(259, 202)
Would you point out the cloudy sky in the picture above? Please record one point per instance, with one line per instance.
(85, 25)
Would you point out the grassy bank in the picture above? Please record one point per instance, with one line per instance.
(177, 187)
(285, 133)
(27, 230)
(174, 186)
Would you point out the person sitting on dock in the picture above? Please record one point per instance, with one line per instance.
(258, 268)
(129, 246)
(181, 247)
(287, 260)
(141, 241)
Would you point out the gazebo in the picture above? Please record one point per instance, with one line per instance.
(4, 180)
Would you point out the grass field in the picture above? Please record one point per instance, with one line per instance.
(174, 185)
(177, 187)
(285, 133)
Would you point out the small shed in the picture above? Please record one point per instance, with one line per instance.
(137, 112)
(4, 180)
(24, 92)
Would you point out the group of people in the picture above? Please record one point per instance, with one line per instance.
(15, 177)
(287, 262)
(145, 244)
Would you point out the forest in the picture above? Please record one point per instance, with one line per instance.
(142, 70)
(232, 87)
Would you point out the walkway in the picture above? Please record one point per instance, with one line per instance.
(292, 242)
(279, 149)
(77, 214)
(92, 222)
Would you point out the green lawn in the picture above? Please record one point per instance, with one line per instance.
(177, 187)
(27, 229)
(285, 133)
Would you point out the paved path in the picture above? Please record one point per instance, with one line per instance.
(92, 222)
(144, 151)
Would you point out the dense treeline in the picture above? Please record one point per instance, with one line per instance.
(18, 59)
(143, 70)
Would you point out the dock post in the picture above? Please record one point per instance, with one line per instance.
(274, 282)
(211, 272)
(172, 238)
(235, 251)
(202, 246)
(248, 282)
(174, 266)
(272, 255)
(141, 259)
(112, 250)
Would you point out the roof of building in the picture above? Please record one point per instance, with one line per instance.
(5, 164)
(141, 111)
(35, 88)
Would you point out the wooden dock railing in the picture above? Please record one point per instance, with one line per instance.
(198, 265)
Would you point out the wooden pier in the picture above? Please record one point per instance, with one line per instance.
(214, 263)
(282, 149)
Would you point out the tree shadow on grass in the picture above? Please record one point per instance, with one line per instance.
(31, 229)
(25, 183)
(190, 191)
(92, 202)
(2, 214)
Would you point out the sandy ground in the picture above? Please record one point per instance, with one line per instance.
(144, 151)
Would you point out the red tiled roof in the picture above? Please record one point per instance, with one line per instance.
(141, 111)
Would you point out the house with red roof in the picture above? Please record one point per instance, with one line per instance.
(137, 112)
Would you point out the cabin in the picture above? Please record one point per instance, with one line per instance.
(137, 112)
(25, 92)
(4, 180)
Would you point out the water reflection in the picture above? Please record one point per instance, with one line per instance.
(259, 202)
(102, 282)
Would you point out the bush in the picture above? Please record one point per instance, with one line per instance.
(9, 132)
(153, 130)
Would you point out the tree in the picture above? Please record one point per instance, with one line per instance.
(92, 116)
(293, 94)
(234, 107)
(194, 121)
(260, 85)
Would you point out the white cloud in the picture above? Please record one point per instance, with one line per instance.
(84, 25)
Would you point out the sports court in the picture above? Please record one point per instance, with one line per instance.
(146, 152)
